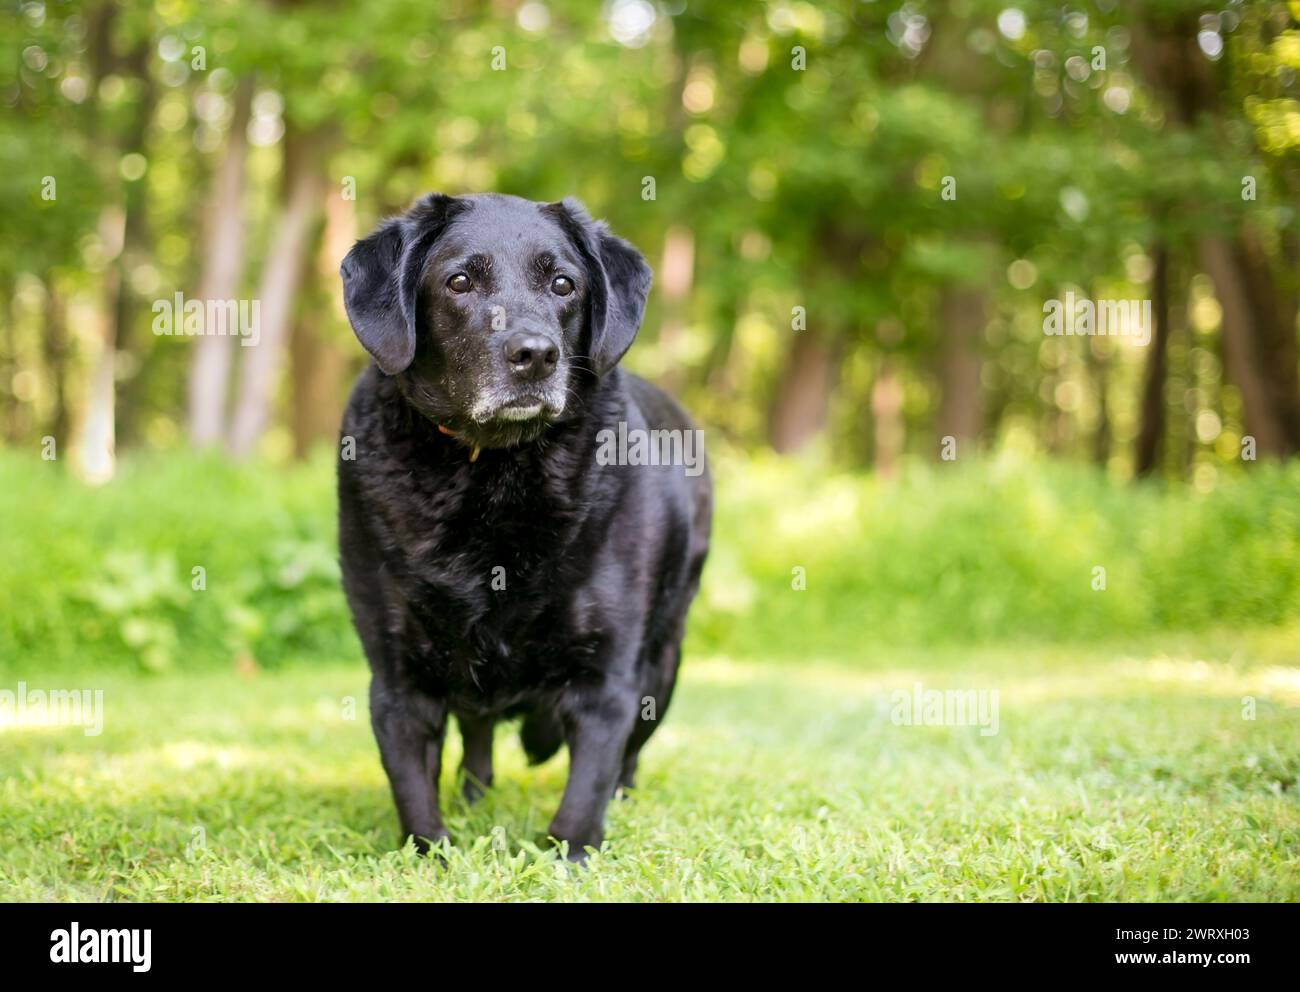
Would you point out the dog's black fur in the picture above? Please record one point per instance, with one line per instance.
(475, 467)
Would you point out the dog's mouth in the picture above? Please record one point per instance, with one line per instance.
(521, 408)
(517, 408)
(506, 418)
(498, 414)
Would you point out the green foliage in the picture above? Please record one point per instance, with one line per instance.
(953, 554)
(990, 551)
(817, 185)
(139, 599)
(108, 576)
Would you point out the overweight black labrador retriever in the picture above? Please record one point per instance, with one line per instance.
(500, 558)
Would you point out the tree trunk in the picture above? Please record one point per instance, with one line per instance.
(1258, 336)
(317, 357)
(278, 292)
(719, 368)
(1274, 307)
(1151, 425)
(962, 313)
(318, 370)
(802, 401)
(1099, 365)
(96, 448)
(12, 413)
(887, 408)
(129, 319)
(55, 348)
(124, 232)
(1240, 346)
(676, 274)
(223, 265)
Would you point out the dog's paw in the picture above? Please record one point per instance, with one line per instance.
(574, 850)
(435, 846)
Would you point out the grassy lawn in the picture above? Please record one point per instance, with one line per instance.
(1124, 766)
(1122, 772)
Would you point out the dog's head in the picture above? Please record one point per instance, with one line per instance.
(495, 314)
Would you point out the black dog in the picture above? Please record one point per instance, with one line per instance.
(497, 562)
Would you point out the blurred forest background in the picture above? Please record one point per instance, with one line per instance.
(919, 178)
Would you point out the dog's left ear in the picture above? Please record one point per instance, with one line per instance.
(381, 280)
(619, 281)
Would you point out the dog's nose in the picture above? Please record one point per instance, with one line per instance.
(531, 356)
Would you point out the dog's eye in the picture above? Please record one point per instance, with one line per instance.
(562, 286)
(460, 283)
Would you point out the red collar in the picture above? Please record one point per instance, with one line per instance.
(473, 448)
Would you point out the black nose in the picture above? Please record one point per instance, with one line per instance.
(531, 356)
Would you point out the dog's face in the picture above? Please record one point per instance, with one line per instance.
(495, 314)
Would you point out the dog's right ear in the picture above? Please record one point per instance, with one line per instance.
(381, 280)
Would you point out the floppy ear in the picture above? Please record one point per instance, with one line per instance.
(620, 280)
(381, 280)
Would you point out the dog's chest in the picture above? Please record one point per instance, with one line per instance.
(485, 577)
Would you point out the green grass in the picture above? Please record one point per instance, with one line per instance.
(1116, 774)
(1123, 767)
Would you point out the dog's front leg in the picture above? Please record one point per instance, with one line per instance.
(476, 763)
(410, 728)
(597, 720)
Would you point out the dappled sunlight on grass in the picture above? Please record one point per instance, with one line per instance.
(1275, 682)
(1022, 677)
